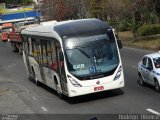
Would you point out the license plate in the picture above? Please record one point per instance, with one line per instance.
(98, 88)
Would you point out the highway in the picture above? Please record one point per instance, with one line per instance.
(22, 96)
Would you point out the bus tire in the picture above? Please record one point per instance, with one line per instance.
(37, 82)
(34, 77)
(60, 95)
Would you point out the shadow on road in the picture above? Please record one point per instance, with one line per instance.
(85, 98)
(146, 85)
(95, 96)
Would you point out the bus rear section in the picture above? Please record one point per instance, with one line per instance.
(6, 29)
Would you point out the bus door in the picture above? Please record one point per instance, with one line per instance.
(41, 61)
(62, 74)
(26, 49)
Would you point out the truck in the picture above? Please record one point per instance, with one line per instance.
(6, 29)
(15, 37)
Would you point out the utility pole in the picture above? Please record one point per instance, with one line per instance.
(37, 8)
(80, 9)
(24, 11)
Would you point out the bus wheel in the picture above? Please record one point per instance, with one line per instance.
(37, 82)
(33, 75)
(60, 95)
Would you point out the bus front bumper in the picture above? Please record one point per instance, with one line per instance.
(77, 91)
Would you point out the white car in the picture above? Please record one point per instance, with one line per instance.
(149, 70)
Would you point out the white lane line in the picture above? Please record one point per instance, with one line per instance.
(153, 111)
(134, 66)
(44, 109)
(34, 98)
(11, 66)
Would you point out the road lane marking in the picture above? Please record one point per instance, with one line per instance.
(153, 111)
(34, 98)
(11, 65)
(44, 109)
(134, 66)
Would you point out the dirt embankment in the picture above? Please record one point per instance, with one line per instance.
(143, 42)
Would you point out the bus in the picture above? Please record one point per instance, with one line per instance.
(74, 57)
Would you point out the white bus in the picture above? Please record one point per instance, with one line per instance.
(74, 57)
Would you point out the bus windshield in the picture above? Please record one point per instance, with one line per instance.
(100, 59)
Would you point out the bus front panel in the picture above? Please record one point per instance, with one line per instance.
(93, 64)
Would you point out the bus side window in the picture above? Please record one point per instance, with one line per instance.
(25, 45)
(44, 53)
(54, 64)
(35, 49)
(61, 59)
(49, 54)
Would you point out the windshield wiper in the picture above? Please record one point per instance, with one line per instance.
(84, 53)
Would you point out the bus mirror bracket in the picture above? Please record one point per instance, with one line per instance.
(119, 44)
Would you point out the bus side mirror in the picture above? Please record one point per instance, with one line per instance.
(119, 44)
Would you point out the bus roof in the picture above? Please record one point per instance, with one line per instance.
(68, 28)
(81, 27)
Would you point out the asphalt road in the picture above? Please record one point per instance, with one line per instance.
(19, 95)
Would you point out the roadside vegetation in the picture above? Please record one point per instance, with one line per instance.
(149, 42)
(147, 37)
(140, 17)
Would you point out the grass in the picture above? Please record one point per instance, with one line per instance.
(149, 44)
(126, 35)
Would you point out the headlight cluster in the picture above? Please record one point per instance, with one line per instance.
(75, 83)
(118, 73)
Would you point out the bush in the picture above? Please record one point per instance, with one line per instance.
(147, 30)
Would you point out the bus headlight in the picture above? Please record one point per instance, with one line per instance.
(74, 83)
(118, 73)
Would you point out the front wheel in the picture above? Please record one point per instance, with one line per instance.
(33, 77)
(37, 82)
(141, 80)
(157, 87)
(60, 95)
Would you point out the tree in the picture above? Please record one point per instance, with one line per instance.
(121, 14)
